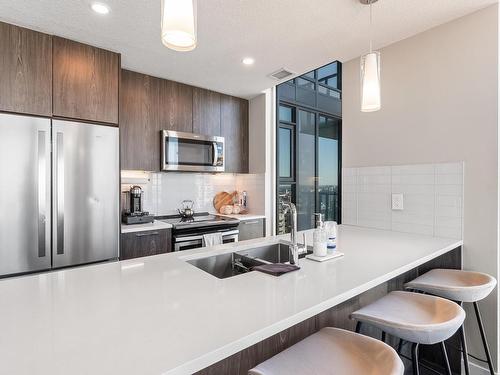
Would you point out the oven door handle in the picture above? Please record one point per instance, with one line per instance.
(180, 245)
(188, 239)
(200, 236)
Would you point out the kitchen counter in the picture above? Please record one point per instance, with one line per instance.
(246, 217)
(156, 225)
(161, 315)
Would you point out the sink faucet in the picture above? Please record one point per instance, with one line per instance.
(289, 207)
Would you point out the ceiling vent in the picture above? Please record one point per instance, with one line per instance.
(281, 74)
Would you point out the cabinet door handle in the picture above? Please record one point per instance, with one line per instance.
(147, 234)
(251, 222)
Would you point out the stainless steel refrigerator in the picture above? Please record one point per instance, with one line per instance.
(59, 193)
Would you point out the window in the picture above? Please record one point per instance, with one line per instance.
(286, 114)
(285, 144)
(308, 148)
(311, 75)
(328, 172)
(306, 170)
(326, 91)
(306, 84)
(329, 75)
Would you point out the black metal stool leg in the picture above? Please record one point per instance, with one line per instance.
(464, 349)
(414, 357)
(445, 358)
(483, 337)
(400, 346)
(358, 327)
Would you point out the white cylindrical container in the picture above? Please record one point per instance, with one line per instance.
(331, 232)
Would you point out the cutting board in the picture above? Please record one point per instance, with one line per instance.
(224, 198)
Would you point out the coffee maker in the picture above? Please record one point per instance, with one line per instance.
(134, 213)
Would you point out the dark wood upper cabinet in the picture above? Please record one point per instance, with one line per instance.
(149, 105)
(206, 112)
(85, 81)
(176, 106)
(234, 129)
(25, 71)
(139, 125)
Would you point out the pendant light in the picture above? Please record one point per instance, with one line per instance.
(178, 24)
(370, 74)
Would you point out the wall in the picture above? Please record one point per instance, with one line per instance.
(262, 153)
(440, 104)
(164, 192)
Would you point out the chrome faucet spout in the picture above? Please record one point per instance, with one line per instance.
(289, 207)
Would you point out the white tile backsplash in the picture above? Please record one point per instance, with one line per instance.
(373, 187)
(164, 192)
(433, 198)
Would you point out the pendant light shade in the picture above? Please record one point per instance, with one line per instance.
(370, 82)
(370, 73)
(178, 24)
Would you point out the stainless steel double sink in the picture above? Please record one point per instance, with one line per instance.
(231, 264)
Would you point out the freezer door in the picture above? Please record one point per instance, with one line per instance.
(24, 194)
(85, 183)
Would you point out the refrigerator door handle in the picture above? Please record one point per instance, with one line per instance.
(59, 193)
(42, 192)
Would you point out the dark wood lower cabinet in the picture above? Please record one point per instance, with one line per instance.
(250, 229)
(338, 316)
(141, 244)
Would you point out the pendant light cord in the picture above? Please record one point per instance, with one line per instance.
(371, 28)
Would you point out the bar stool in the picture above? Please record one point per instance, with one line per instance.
(417, 318)
(460, 286)
(334, 351)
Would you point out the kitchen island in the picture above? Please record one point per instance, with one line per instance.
(162, 315)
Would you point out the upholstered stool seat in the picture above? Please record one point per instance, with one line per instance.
(460, 286)
(334, 351)
(457, 285)
(418, 318)
(413, 317)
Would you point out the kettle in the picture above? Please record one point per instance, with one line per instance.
(186, 211)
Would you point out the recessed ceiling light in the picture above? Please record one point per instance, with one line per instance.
(248, 61)
(100, 8)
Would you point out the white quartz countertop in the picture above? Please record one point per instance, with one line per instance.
(246, 217)
(156, 225)
(161, 315)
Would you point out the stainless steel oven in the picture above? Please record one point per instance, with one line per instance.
(193, 241)
(191, 152)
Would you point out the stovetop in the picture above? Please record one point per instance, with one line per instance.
(202, 219)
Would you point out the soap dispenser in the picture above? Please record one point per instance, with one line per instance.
(320, 237)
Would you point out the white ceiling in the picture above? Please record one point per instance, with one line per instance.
(297, 34)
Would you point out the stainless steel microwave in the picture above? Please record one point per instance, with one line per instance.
(191, 152)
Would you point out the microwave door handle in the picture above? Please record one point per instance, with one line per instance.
(216, 153)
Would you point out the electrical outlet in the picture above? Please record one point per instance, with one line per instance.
(397, 202)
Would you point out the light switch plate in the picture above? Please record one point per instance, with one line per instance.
(397, 202)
